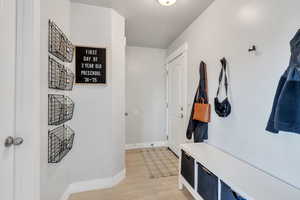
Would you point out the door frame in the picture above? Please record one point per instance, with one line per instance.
(27, 94)
(181, 51)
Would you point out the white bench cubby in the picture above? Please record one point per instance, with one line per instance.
(236, 179)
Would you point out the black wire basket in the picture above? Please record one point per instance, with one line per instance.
(60, 77)
(60, 142)
(60, 109)
(59, 45)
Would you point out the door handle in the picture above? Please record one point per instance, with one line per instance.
(10, 141)
(181, 116)
(18, 141)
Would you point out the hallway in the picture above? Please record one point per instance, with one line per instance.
(138, 185)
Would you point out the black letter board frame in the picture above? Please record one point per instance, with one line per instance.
(101, 57)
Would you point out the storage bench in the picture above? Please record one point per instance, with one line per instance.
(211, 174)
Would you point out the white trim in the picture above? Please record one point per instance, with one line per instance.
(93, 185)
(27, 156)
(177, 52)
(146, 145)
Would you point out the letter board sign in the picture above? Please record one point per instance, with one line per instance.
(90, 65)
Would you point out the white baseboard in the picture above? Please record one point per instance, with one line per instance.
(146, 145)
(93, 185)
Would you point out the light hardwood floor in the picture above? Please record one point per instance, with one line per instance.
(137, 185)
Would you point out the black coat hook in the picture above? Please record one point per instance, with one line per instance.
(253, 48)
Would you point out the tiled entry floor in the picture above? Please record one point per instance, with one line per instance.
(160, 162)
(138, 185)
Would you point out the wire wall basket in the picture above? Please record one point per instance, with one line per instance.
(59, 45)
(60, 142)
(60, 77)
(60, 109)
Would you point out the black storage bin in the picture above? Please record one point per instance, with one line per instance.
(207, 184)
(228, 194)
(188, 168)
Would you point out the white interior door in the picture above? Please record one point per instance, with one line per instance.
(7, 96)
(176, 108)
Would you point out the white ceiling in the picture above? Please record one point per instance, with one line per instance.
(148, 24)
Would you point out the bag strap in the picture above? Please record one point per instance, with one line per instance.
(202, 91)
(197, 97)
(203, 77)
(223, 71)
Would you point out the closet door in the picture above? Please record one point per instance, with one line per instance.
(175, 103)
(7, 103)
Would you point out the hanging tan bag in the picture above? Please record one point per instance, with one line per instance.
(202, 109)
(202, 112)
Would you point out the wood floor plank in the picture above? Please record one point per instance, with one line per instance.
(137, 185)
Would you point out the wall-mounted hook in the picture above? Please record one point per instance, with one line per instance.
(253, 48)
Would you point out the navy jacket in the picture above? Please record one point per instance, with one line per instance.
(285, 115)
(197, 128)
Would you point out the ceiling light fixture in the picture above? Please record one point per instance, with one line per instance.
(167, 2)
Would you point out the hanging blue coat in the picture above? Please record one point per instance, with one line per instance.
(285, 115)
(197, 128)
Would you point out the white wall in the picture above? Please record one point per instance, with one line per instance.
(91, 26)
(99, 145)
(118, 45)
(54, 178)
(145, 95)
(229, 28)
(98, 151)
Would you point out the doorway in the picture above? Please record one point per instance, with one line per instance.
(145, 97)
(177, 98)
